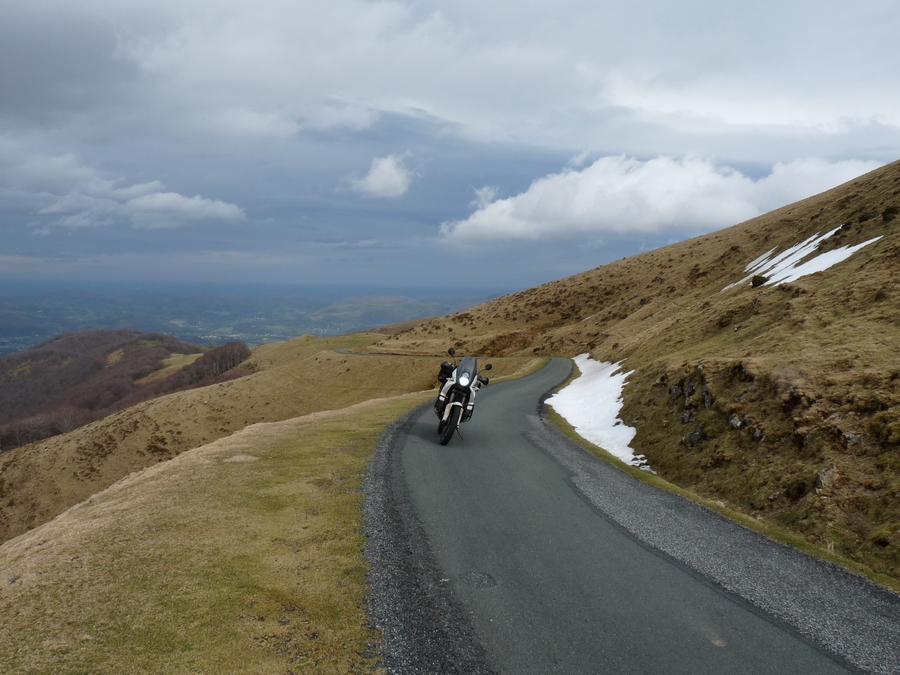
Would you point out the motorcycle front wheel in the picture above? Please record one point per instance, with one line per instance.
(447, 429)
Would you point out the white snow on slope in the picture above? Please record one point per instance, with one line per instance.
(786, 266)
(591, 404)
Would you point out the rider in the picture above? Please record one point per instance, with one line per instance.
(445, 372)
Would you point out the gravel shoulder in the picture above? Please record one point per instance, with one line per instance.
(425, 628)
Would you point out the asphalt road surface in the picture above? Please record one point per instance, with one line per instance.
(512, 550)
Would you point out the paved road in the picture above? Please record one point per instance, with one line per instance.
(512, 550)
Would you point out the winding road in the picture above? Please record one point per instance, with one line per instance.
(512, 550)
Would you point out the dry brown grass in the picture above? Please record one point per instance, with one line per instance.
(242, 556)
(808, 370)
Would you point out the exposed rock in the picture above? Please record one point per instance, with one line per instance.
(826, 478)
(694, 437)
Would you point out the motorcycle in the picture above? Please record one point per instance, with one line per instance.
(456, 401)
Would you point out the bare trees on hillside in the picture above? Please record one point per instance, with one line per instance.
(76, 378)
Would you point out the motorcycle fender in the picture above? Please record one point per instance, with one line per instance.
(457, 404)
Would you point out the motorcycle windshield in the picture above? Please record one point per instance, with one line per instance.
(466, 370)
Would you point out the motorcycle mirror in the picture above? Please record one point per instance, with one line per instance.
(488, 366)
(451, 351)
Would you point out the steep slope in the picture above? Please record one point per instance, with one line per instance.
(779, 399)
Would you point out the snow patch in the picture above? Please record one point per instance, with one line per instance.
(591, 404)
(787, 266)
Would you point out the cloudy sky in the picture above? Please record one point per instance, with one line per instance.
(456, 143)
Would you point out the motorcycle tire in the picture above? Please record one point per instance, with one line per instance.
(450, 426)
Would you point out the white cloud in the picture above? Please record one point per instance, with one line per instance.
(551, 74)
(484, 196)
(62, 192)
(153, 211)
(170, 209)
(790, 181)
(387, 177)
(554, 75)
(625, 195)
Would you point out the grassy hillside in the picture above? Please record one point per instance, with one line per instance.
(294, 378)
(242, 556)
(780, 401)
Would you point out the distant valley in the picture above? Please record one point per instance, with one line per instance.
(32, 313)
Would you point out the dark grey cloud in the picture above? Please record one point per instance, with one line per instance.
(58, 61)
(308, 141)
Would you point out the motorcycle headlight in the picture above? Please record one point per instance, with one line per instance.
(464, 380)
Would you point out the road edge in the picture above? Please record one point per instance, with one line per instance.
(424, 628)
